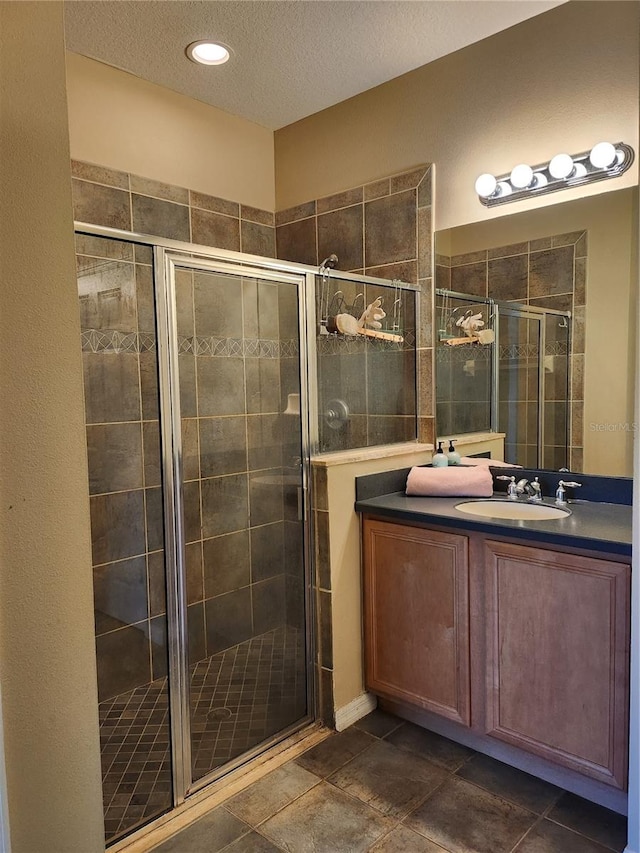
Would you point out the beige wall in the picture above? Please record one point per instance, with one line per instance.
(559, 82)
(346, 582)
(129, 124)
(611, 318)
(47, 655)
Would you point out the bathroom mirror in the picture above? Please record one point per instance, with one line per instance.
(580, 257)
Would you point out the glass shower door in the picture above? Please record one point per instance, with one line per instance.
(533, 387)
(241, 588)
(519, 386)
(119, 353)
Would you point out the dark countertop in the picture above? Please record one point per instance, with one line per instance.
(603, 527)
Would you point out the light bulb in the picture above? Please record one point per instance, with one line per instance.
(521, 176)
(207, 53)
(603, 155)
(504, 188)
(486, 185)
(539, 180)
(561, 166)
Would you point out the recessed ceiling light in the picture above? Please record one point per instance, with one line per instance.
(206, 52)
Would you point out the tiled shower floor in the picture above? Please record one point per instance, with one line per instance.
(239, 698)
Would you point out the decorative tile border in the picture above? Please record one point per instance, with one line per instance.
(531, 350)
(478, 352)
(111, 340)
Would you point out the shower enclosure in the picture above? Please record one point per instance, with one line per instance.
(518, 385)
(200, 420)
(198, 479)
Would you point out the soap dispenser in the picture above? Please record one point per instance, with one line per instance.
(453, 457)
(439, 460)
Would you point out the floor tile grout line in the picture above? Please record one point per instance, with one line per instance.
(583, 835)
(278, 810)
(498, 796)
(524, 835)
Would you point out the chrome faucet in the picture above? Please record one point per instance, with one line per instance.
(535, 493)
(532, 490)
(561, 494)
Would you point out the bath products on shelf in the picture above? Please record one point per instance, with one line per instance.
(453, 457)
(439, 459)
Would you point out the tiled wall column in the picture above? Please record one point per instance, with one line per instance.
(322, 598)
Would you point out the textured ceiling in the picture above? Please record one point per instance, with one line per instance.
(291, 58)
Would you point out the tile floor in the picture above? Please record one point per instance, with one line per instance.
(388, 786)
(239, 698)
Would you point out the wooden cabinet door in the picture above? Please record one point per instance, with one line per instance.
(558, 635)
(417, 617)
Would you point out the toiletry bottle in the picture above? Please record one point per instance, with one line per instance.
(439, 460)
(453, 456)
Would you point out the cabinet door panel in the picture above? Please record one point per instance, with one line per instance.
(416, 617)
(558, 669)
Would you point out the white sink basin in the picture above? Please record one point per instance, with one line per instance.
(513, 510)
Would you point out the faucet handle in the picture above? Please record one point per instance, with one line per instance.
(512, 492)
(561, 495)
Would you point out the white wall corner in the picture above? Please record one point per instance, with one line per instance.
(355, 710)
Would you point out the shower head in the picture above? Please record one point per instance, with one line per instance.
(329, 263)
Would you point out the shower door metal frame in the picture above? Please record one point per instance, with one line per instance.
(532, 312)
(165, 262)
(171, 463)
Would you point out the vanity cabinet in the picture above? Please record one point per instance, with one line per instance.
(417, 617)
(557, 660)
(547, 671)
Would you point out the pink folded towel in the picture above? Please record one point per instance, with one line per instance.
(482, 460)
(451, 482)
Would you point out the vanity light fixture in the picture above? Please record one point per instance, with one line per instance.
(561, 172)
(206, 52)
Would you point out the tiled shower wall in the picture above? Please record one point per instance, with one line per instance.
(382, 229)
(375, 379)
(240, 481)
(120, 200)
(234, 453)
(549, 273)
(121, 405)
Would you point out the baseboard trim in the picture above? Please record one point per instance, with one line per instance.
(355, 710)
